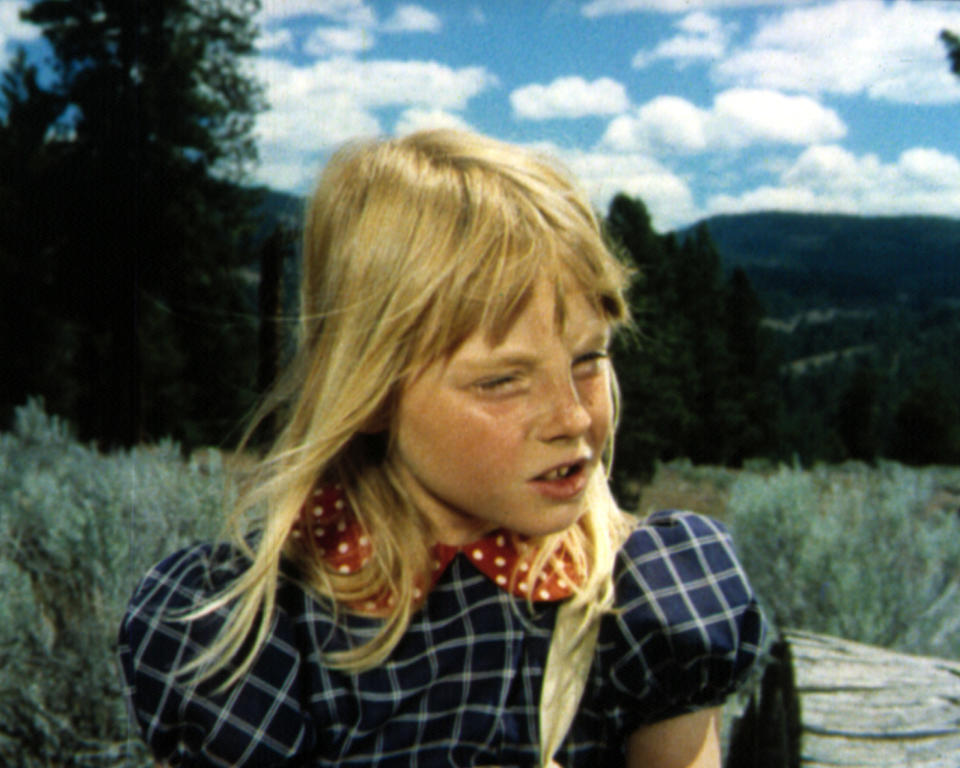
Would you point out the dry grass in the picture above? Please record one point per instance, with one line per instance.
(678, 486)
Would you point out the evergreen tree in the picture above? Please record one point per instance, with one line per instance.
(858, 414)
(926, 427)
(155, 135)
(952, 41)
(28, 160)
(698, 380)
(699, 284)
(653, 412)
(750, 392)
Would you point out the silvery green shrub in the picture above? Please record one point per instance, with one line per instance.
(854, 551)
(77, 530)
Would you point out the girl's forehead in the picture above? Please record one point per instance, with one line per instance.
(548, 311)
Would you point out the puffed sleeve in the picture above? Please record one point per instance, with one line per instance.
(687, 629)
(257, 722)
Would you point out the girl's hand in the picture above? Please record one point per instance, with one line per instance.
(687, 741)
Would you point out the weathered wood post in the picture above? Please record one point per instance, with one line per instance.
(767, 733)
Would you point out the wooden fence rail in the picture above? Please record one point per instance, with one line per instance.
(825, 702)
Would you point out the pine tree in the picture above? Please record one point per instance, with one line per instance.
(653, 412)
(699, 284)
(926, 427)
(750, 391)
(952, 41)
(151, 219)
(858, 414)
(699, 379)
(28, 161)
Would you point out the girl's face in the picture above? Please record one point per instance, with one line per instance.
(508, 434)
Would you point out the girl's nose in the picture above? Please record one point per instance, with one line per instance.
(566, 415)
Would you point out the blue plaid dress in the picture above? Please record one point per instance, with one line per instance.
(462, 688)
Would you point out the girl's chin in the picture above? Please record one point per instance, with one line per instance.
(551, 521)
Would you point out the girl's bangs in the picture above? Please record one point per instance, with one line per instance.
(507, 275)
(508, 233)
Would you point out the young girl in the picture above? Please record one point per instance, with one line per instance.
(436, 497)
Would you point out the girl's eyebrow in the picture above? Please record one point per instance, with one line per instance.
(528, 359)
(597, 340)
(503, 360)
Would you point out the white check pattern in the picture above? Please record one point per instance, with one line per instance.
(463, 686)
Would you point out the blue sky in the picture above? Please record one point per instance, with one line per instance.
(697, 107)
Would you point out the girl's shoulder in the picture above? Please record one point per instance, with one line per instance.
(681, 568)
(259, 721)
(190, 575)
(687, 628)
(193, 579)
(698, 545)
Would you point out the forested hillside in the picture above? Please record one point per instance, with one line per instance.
(865, 313)
(797, 261)
(790, 336)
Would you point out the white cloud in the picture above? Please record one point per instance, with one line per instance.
(313, 108)
(292, 140)
(12, 29)
(305, 118)
(700, 23)
(774, 199)
(833, 168)
(354, 24)
(419, 119)
(569, 97)
(888, 51)
(412, 18)
(742, 117)
(832, 179)
(275, 40)
(702, 37)
(666, 195)
(372, 84)
(349, 12)
(326, 41)
(610, 7)
(738, 118)
(383, 83)
(665, 123)
(932, 168)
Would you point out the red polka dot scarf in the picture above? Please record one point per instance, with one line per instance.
(502, 557)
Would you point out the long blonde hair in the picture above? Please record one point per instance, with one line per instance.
(410, 245)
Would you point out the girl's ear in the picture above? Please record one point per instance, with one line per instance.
(380, 420)
(376, 424)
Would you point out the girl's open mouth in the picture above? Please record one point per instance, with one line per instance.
(563, 482)
(559, 473)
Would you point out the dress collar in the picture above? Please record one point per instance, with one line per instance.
(503, 557)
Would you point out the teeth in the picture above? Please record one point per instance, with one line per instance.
(556, 474)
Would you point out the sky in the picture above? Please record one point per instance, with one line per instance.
(697, 107)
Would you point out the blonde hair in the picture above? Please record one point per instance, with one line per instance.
(410, 246)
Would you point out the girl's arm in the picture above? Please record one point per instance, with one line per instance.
(687, 741)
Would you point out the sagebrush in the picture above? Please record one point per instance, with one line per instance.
(867, 553)
(872, 554)
(77, 530)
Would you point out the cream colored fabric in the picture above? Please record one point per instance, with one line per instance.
(565, 676)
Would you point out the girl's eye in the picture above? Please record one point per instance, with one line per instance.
(496, 384)
(590, 363)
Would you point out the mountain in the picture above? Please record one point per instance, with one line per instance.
(797, 261)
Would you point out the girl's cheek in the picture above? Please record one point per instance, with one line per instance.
(498, 413)
(595, 393)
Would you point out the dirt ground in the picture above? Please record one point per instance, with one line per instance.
(671, 488)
